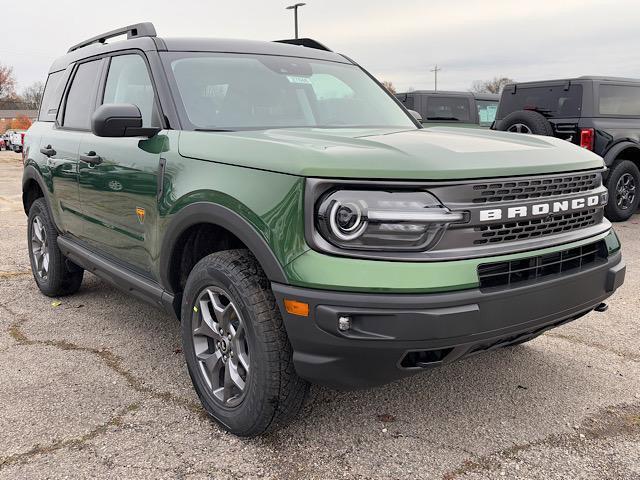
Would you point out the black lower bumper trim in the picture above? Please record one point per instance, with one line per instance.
(394, 335)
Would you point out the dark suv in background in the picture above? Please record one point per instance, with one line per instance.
(465, 109)
(601, 114)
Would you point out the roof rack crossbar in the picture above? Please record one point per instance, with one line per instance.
(136, 30)
(305, 42)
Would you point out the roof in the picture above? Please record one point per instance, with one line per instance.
(197, 45)
(479, 96)
(583, 78)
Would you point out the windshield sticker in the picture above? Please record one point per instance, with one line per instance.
(294, 79)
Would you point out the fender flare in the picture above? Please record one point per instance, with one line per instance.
(615, 150)
(207, 212)
(31, 173)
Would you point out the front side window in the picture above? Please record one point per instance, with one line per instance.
(81, 96)
(245, 91)
(448, 108)
(487, 110)
(128, 81)
(619, 100)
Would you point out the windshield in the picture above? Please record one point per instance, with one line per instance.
(245, 91)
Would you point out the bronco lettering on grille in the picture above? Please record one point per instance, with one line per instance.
(539, 209)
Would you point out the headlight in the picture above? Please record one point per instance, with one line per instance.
(381, 220)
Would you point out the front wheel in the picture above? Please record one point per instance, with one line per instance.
(623, 184)
(237, 351)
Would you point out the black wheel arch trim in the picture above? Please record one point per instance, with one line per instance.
(29, 174)
(207, 212)
(612, 154)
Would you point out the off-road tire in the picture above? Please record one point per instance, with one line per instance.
(274, 393)
(63, 276)
(534, 121)
(612, 211)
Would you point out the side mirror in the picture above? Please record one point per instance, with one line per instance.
(120, 120)
(416, 115)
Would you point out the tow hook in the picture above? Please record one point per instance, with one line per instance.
(603, 307)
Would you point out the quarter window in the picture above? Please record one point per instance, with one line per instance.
(128, 81)
(81, 96)
(619, 100)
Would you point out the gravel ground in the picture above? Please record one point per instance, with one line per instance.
(97, 387)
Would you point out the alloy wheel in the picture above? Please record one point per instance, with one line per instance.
(519, 128)
(40, 247)
(625, 191)
(220, 344)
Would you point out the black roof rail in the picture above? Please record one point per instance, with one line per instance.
(136, 30)
(305, 42)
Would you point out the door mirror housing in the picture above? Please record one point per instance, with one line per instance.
(416, 115)
(120, 120)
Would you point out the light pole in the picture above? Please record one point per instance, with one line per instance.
(435, 71)
(295, 13)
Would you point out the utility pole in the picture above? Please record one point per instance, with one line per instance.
(435, 71)
(295, 14)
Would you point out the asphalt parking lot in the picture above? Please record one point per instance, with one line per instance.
(97, 387)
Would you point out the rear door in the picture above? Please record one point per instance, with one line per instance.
(60, 143)
(118, 188)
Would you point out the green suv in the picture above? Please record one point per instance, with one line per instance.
(297, 219)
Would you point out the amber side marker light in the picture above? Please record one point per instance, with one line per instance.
(294, 307)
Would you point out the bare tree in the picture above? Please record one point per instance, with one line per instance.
(7, 82)
(495, 85)
(389, 86)
(32, 95)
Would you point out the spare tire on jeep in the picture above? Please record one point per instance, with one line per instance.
(526, 121)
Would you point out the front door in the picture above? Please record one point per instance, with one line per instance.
(119, 176)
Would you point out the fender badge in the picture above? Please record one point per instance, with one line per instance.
(140, 214)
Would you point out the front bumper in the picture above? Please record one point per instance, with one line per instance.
(395, 335)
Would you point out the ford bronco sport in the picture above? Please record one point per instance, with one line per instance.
(300, 223)
(601, 114)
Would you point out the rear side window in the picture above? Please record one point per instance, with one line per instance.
(448, 108)
(619, 100)
(128, 81)
(81, 96)
(551, 101)
(51, 97)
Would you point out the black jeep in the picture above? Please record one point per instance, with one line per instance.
(601, 114)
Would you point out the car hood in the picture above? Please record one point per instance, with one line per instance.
(439, 153)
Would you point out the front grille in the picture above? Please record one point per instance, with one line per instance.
(506, 232)
(502, 274)
(527, 189)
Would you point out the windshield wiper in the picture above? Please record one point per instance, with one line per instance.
(444, 118)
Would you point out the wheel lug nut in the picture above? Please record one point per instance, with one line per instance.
(229, 336)
(221, 332)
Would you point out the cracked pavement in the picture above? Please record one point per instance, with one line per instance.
(97, 387)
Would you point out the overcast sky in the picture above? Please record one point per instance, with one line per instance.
(399, 40)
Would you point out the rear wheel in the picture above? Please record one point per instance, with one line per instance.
(235, 345)
(623, 184)
(53, 273)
